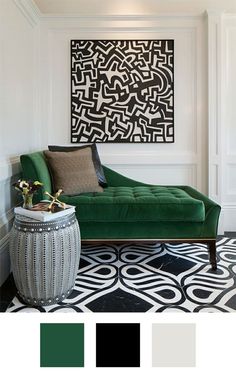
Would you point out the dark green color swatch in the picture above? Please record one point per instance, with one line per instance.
(61, 345)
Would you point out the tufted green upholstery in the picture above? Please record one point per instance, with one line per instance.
(126, 204)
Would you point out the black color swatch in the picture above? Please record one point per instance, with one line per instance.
(118, 345)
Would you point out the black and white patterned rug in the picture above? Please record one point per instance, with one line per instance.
(150, 278)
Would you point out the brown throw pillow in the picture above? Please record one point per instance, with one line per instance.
(73, 172)
(95, 157)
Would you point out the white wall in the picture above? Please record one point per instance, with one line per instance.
(183, 162)
(229, 122)
(222, 115)
(17, 108)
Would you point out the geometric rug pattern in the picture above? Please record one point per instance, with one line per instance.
(150, 277)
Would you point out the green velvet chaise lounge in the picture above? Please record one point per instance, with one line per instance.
(128, 210)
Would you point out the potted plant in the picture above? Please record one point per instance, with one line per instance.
(27, 190)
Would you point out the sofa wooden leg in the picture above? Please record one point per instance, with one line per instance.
(212, 252)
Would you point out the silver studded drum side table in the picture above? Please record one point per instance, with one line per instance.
(45, 258)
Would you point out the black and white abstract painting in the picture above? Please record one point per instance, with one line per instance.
(122, 91)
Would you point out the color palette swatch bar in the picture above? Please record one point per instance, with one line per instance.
(61, 345)
(173, 345)
(118, 345)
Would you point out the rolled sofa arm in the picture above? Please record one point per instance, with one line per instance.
(212, 212)
(34, 167)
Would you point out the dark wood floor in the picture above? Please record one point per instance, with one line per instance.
(8, 289)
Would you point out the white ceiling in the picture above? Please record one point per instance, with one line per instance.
(139, 7)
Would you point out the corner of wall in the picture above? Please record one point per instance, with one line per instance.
(28, 15)
(29, 10)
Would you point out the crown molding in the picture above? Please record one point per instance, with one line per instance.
(33, 14)
(123, 17)
(29, 10)
(230, 16)
(215, 12)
